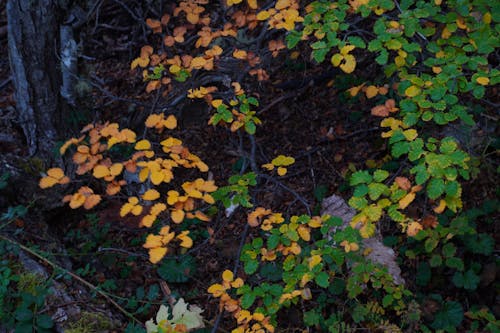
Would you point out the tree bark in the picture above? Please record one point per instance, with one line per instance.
(33, 35)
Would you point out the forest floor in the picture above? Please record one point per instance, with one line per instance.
(305, 115)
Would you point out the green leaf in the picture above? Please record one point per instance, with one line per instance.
(356, 41)
(358, 203)
(387, 300)
(177, 270)
(360, 177)
(400, 148)
(449, 250)
(270, 271)
(449, 317)
(436, 260)
(247, 300)
(448, 145)
(375, 190)
(293, 38)
(468, 280)
(479, 243)
(380, 175)
(423, 274)
(435, 188)
(312, 318)
(360, 190)
(322, 280)
(44, 321)
(23, 314)
(250, 267)
(455, 262)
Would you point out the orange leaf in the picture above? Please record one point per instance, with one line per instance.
(413, 229)
(403, 183)
(407, 199)
(240, 54)
(177, 215)
(157, 254)
(170, 122)
(155, 25)
(151, 195)
(92, 201)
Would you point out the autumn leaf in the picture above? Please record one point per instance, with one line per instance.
(143, 145)
(482, 80)
(413, 229)
(403, 183)
(157, 254)
(406, 200)
(54, 176)
(412, 91)
(371, 91)
(151, 195)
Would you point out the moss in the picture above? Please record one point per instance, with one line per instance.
(28, 282)
(90, 322)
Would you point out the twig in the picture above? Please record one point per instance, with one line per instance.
(295, 194)
(73, 275)
(5, 82)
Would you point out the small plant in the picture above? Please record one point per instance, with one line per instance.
(183, 318)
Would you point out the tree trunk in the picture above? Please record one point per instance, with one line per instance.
(33, 35)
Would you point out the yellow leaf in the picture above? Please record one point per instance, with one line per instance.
(216, 290)
(413, 229)
(482, 80)
(436, 69)
(371, 91)
(282, 171)
(216, 103)
(116, 169)
(137, 210)
(304, 233)
(91, 201)
(143, 144)
(170, 122)
(282, 4)
(314, 261)
(157, 254)
(186, 241)
(201, 216)
(346, 49)
(407, 199)
(240, 54)
(412, 91)
(153, 241)
(263, 15)
(77, 200)
(354, 90)
(56, 173)
(441, 207)
(47, 182)
(151, 195)
(349, 65)
(410, 134)
(153, 120)
(208, 199)
(227, 275)
(252, 4)
(268, 166)
(198, 62)
(177, 215)
(237, 283)
(157, 209)
(487, 18)
(336, 59)
(157, 177)
(101, 171)
(148, 220)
